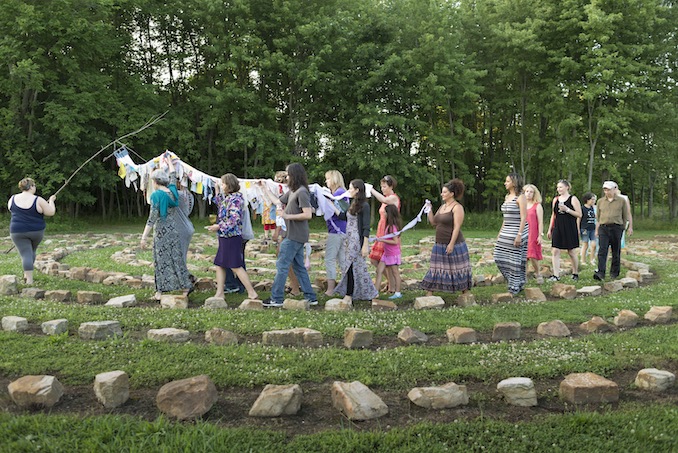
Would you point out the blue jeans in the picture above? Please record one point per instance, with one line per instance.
(291, 254)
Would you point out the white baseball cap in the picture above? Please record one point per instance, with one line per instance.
(609, 185)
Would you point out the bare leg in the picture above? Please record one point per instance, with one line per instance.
(380, 272)
(28, 277)
(294, 283)
(331, 284)
(221, 279)
(584, 249)
(397, 281)
(245, 280)
(556, 262)
(390, 275)
(574, 256)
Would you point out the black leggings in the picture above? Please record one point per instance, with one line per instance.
(349, 281)
(27, 243)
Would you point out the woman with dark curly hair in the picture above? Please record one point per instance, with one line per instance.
(450, 269)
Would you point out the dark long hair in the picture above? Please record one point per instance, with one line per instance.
(393, 216)
(296, 176)
(360, 197)
(517, 183)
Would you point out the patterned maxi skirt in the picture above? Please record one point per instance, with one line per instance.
(171, 273)
(449, 272)
(363, 288)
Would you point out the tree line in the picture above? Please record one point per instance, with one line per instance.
(424, 90)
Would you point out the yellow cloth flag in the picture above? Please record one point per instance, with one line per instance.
(122, 171)
(198, 188)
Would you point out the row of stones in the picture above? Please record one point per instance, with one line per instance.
(353, 337)
(48, 263)
(193, 397)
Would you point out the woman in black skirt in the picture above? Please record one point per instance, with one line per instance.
(564, 229)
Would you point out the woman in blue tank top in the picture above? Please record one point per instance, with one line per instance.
(27, 225)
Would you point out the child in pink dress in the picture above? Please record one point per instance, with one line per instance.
(392, 253)
(535, 224)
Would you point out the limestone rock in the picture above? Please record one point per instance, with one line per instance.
(614, 286)
(187, 398)
(300, 336)
(596, 324)
(357, 401)
(409, 335)
(79, 273)
(129, 300)
(277, 400)
(9, 285)
(14, 324)
(251, 304)
(563, 291)
(628, 282)
(99, 330)
(654, 379)
(555, 328)
(461, 335)
(585, 388)
(39, 390)
(426, 302)
(635, 275)
(626, 318)
(174, 301)
(355, 338)
(55, 327)
(215, 303)
(594, 290)
(466, 299)
(502, 297)
(221, 337)
(518, 391)
(169, 334)
(383, 305)
(535, 295)
(58, 295)
(338, 305)
(33, 293)
(89, 297)
(659, 315)
(504, 331)
(294, 304)
(445, 396)
(112, 388)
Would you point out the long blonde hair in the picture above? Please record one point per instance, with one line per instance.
(537, 194)
(336, 180)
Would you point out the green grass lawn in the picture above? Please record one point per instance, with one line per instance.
(629, 426)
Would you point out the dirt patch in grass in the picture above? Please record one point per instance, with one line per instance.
(317, 413)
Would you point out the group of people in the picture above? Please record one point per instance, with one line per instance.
(518, 243)
(520, 239)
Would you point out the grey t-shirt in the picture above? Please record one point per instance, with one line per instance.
(297, 230)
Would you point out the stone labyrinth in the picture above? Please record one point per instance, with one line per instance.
(292, 406)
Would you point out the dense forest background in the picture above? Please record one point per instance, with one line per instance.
(425, 90)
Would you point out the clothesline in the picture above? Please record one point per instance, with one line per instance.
(201, 183)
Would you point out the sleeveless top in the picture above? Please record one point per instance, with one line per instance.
(588, 221)
(445, 227)
(25, 220)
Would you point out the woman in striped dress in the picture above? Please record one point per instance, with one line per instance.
(510, 252)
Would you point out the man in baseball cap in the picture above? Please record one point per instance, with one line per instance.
(612, 217)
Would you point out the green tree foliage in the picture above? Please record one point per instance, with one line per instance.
(425, 91)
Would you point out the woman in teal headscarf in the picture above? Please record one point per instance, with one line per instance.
(171, 273)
